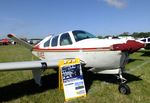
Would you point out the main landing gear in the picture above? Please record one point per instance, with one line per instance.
(123, 87)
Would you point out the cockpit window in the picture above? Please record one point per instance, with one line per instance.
(81, 35)
(148, 39)
(65, 39)
(54, 41)
(144, 40)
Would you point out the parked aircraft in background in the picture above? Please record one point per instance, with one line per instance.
(4, 41)
(101, 56)
(33, 41)
(146, 41)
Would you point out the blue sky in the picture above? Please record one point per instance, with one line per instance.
(38, 18)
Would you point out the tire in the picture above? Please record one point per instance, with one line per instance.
(124, 89)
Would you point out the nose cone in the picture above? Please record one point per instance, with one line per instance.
(134, 45)
(131, 46)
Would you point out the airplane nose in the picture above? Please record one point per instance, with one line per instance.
(134, 45)
(131, 46)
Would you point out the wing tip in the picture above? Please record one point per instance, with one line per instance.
(10, 35)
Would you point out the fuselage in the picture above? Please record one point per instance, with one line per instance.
(98, 54)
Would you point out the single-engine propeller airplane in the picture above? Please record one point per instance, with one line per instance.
(97, 55)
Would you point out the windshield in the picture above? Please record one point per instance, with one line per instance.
(81, 35)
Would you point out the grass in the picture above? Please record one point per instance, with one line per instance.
(19, 86)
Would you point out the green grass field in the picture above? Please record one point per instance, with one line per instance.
(19, 86)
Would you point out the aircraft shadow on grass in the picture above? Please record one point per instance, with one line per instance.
(146, 53)
(28, 87)
(131, 60)
(90, 77)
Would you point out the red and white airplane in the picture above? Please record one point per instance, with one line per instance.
(98, 55)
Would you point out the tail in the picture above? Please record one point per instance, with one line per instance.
(21, 42)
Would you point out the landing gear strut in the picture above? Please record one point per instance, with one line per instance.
(123, 87)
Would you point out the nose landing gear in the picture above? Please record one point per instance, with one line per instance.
(123, 87)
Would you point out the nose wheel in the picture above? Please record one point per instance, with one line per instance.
(123, 87)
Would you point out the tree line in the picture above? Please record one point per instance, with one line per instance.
(135, 35)
(141, 34)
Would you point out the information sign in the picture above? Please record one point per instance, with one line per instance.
(71, 78)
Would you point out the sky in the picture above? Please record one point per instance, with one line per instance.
(39, 18)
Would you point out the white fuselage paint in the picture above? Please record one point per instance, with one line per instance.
(96, 53)
(104, 60)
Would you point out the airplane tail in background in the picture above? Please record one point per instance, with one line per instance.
(21, 42)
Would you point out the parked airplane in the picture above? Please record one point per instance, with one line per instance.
(98, 55)
(146, 41)
(4, 41)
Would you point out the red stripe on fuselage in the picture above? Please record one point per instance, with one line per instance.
(71, 49)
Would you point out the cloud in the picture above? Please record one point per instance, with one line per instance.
(116, 3)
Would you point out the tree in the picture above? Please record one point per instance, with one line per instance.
(125, 34)
(100, 37)
(141, 34)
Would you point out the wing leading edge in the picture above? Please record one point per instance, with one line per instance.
(27, 65)
(25, 44)
(35, 66)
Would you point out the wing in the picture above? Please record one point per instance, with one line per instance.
(35, 66)
(28, 65)
(25, 44)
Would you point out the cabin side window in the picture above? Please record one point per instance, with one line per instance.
(65, 39)
(46, 44)
(54, 41)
